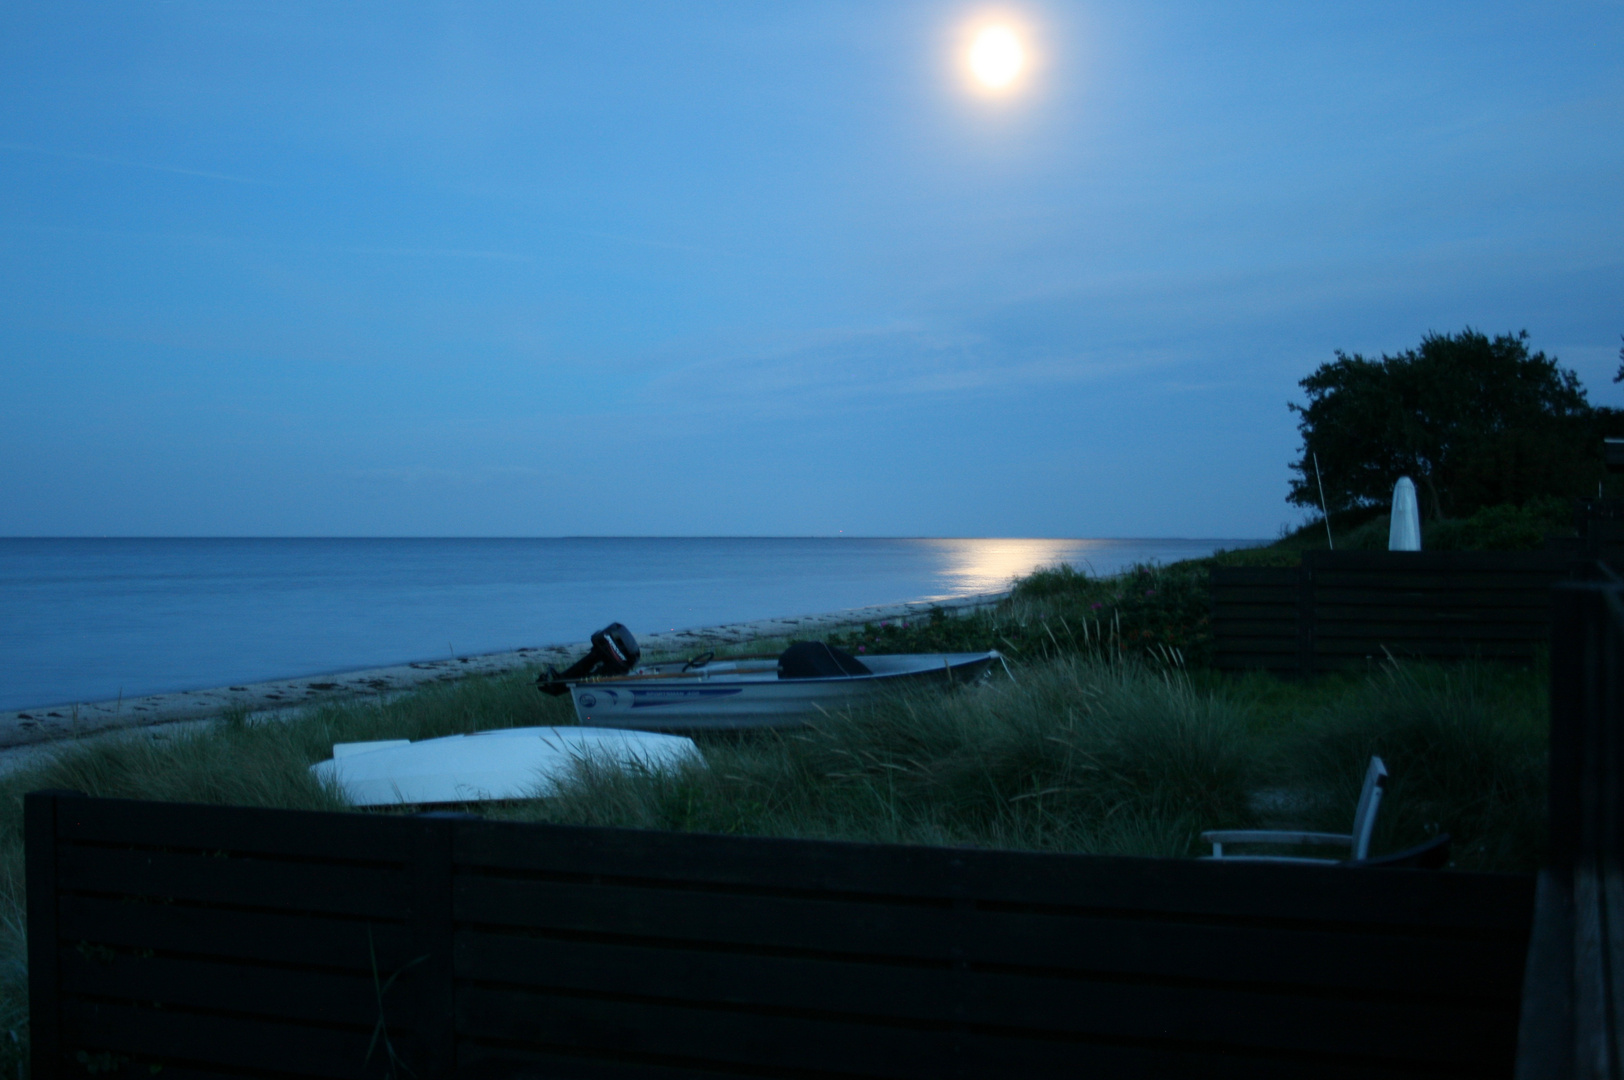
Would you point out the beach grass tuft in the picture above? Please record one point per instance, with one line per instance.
(1078, 755)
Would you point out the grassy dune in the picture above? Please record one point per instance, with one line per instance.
(1107, 740)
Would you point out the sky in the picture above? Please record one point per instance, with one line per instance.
(688, 268)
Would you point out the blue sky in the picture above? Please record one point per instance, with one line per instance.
(761, 269)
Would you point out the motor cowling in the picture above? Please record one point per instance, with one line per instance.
(614, 651)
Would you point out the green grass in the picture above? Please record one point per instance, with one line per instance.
(1107, 741)
(1076, 755)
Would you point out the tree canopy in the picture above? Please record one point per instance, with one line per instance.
(1474, 421)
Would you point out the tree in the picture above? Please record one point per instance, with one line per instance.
(1473, 421)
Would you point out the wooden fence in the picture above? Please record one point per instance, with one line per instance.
(189, 941)
(1573, 1002)
(1344, 609)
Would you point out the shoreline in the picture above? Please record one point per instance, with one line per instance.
(33, 727)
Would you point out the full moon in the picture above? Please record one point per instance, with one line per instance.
(997, 57)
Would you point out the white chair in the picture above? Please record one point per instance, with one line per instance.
(1358, 841)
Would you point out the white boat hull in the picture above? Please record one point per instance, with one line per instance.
(734, 695)
(508, 763)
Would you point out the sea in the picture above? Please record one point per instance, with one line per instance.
(94, 619)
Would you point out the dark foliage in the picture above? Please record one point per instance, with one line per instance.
(1474, 421)
(1504, 527)
(1061, 611)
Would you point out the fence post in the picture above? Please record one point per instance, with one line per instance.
(1305, 614)
(39, 868)
(1575, 655)
(434, 1007)
(1572, 988)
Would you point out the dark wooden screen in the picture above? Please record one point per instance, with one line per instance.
(1344, 609)
(203, 941)
(1573, 1004)
(223, 939)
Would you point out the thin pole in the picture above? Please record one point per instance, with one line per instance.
(1331, 543)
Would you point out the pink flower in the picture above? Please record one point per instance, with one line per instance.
(862, 648)
(1096, 607)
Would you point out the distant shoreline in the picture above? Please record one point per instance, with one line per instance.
(54, 723)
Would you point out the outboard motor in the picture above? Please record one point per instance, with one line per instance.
(614, 652)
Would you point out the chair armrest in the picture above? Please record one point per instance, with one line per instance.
(1219, 837)
(1296, 860)
(1269, 836)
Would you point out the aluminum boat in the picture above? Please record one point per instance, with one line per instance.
(751, 692)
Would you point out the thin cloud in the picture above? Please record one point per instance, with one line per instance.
(662, 244)
(429, 253)
(884, 364)
(102, 159)
(416, 475)
(256, 243)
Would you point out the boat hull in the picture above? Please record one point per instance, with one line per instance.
(507, 763)
(675, 701)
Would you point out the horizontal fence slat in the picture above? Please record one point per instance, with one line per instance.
(1220, 1010)
(475, 1059)
(170, 1071)
(622, 952)
(378, 891)
(1238, 627)
(775, 1043)
(1258, 644)
(1530, 603)
(715, 1038)
(978, 1057)
(1284, 606)
(1439, 561)
(1471, 585)
(1331, 961)
(294, 833)
(1443, 616)
(220, 1041)
(1429, 631)
(1361, 606)
(1378, 647)
(913, 931)
(1274, 596)
(1094, 882)
(279, 993)
(247, 935)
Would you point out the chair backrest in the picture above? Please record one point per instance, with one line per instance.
(1370, 798)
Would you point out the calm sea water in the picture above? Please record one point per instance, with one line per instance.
(87, 620)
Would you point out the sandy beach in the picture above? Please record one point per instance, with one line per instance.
(24, 733)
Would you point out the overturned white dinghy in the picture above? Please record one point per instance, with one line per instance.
(511, 763)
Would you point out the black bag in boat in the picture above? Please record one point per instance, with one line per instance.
(614, 652)
(818, 660)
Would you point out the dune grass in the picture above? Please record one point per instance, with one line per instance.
(1076, 755)
(1090, 748)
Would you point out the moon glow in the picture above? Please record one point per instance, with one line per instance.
(997, 57)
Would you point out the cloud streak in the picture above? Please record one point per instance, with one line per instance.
(102, 159)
